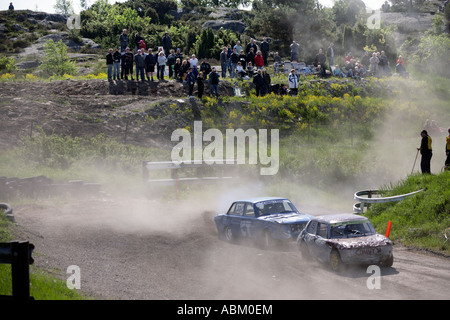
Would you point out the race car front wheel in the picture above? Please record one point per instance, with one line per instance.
(228, 234)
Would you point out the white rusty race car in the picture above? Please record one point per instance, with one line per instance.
(340, 239)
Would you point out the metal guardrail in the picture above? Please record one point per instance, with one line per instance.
(365, 198)
(18, 254)
(198, 175)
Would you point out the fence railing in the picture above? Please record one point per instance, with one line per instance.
(18, 255)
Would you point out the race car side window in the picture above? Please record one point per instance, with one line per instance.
(237, 208)
(249, 211)
(323, 230)
(312, 227)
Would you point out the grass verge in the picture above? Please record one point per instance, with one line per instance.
(422, 220)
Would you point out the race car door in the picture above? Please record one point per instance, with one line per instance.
(321, 249)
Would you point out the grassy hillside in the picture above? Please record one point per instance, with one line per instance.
(422, 220)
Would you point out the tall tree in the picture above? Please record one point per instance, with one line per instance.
(64, 7)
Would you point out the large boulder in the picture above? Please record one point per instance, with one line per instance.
(233, 25)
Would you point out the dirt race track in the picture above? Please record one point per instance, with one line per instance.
(142, 249)
(137, 248)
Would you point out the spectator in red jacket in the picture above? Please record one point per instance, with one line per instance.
(259, 60)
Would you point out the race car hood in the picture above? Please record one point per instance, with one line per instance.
(286, 218)
(375, 240)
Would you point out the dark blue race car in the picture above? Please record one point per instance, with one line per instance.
(267, 219)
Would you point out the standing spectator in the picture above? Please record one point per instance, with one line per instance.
(11, 7)
(137, 40)
(365, 61)
(425, 151)
(243, 59)
(214, 82)
(116, 64)
(374, 64)
(250, 70)
(400, 67)
(251, 45)
(140, 65)
(330, 55)
(190, 79)
(205, 67)
(128, 63)
(295, 51)
(150, 62)
(109, 63)
(264, 47)
(224, 61)
(234, 59)
(258, 81)
(184, 68)
(293, 82)
(259, 60)
(142, 46)
(193, 62)
(238, 47)
(167, 43)
(320, 61)
(250, 57)
(447, 150)
(179, 55)
(200, 84)
(176, 69)
(161, 65)
(267, 80)
(171, 59)
(123, 39)
(383, 64)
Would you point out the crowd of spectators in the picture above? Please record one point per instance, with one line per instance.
(237, 62)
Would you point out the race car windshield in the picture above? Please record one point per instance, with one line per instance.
(352, 230)
(275, 206)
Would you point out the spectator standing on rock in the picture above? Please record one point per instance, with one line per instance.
(264, 47)
(425, 151)
(259, 60)
(11, 7)
(123, 39)
(161, 65)
(251, 45)
(200, 84)
(320, 61)
(140, 65)
(330, 55)
(167, 43)
(128, 63)
(267, 80)
(258, 81)
(295, 51)
(234, 59)
(137, 40)
(190, 80)
(205, 67)
(293, 82)
(150, 62)
(116, 64)
(171, 59)
(224, 61)
(447, 150)
(214, 82)
(109, 63)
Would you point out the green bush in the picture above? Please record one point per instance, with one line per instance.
(56, 61)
